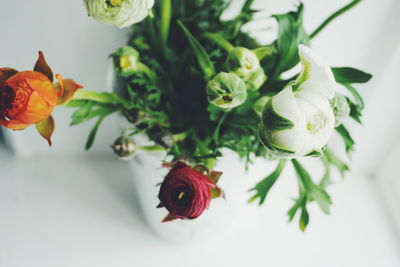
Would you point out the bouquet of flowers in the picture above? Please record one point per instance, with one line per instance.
(195, 84)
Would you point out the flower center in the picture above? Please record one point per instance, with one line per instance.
(114, 3)
(180, 195)
(227, 98)
(247, 63)
(316, 123)
(125, 62)
(7, 97)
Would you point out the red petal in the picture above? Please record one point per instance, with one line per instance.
(6, 73)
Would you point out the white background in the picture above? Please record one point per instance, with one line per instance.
(65, 207)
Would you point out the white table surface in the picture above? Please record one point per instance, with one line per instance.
(81, 211)
(73, 209)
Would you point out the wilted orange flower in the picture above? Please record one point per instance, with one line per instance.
(29, 97)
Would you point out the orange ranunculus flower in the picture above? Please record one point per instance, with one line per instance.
(29, 97)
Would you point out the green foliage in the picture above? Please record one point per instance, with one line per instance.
(348, 140)
(347, 76)
(263, 187)
(181, 49)
(290, 34)
(309, 191)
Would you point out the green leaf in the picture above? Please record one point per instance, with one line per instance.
(290, 34)
(316, 192)
(263, 187)
(332, 159)
(93, 132)
(356, 95)
(99, 111)
(348, 140)
(304, 218)
(355, 111)
(82, 113)
(293, 210)
(326, 178)
(346, 75)
(203, 59)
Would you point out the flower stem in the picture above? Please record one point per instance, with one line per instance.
(219, 40)
(334, 16)
(165, 20)
(247, 5)
(151, 148)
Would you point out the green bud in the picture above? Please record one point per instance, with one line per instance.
(260, 104)
(255, 79)
(126, 61)
(242, 61)
(341, 109)
(134, 115)
(124, 147)
(226, 90)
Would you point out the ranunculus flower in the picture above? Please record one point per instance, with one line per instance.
(121, 13)
(299, 120)
(29, 97)
(186, 192)
(226, 90)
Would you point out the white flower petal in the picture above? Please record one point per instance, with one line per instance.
(284, 103)
(316, 75)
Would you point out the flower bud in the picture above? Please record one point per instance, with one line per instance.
(134, 115)
(126, 61)
(242, 61)
(226, 90)
(255, 79)
(120, 13)
(341, 109)
(124, 147)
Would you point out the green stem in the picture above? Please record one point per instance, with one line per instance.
(104, 98)
(334, 16)
(165, 20)
(151, 148)
(247, 5)
(219, 40)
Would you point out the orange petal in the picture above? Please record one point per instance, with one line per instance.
(37, 110)
(59, 86)
(42, 66)
(13, 124)
(68, 88)
(46, 128)
(6, 73)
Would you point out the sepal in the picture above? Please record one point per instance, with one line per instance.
(46, 128)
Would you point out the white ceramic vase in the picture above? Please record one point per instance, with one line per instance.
(147, 173)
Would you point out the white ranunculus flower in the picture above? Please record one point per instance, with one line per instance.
(299, 120)
(121, 13)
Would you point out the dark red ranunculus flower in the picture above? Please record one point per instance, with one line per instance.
(185, 192)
